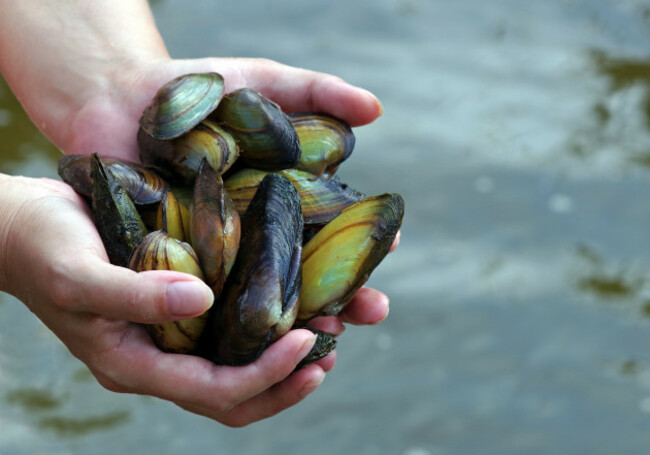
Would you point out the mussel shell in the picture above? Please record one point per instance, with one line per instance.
(264, 133)
(179, 159)
(322, 199)
(143, 186)
(181, 104)
(338, 260)
(116, 218)
(325, 142)
(259, 302)
(160, 251)
(173, 217)
(324, 344)
(214, 227)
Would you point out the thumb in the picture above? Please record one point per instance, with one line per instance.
(120, 293)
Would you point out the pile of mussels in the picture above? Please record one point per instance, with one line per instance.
(238, 193)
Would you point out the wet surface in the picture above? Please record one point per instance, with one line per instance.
(518, 133)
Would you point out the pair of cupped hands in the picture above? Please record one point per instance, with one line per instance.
(54, 261)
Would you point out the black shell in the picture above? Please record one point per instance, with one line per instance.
(116, 217)
(259, 302)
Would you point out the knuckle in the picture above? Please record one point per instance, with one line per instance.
(111, 385)
(234, 422)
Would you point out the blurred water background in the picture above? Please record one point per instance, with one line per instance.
(518, 133)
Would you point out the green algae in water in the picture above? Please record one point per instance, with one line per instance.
(82, 375)
(610, 287)
(68, 427)
(20, 140)
(630, 368)
(34, 400)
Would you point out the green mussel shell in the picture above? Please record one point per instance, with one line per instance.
(259, 301)
(179, 159)
(338, 260)
(322, 199)
(325, 142)
(116, 217)
(264, 133)
(181, 104)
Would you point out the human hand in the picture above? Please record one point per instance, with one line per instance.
(84, 72)
(96, 319)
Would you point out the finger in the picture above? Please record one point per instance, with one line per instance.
(395, 243)
(90, 284)
(330, 324)
(327, 362)
(368, 307)
(295, 89)
(270, 402)
(138, 366)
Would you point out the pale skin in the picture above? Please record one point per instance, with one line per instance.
(84, 72)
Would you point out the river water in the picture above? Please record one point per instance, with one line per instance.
(518, 133)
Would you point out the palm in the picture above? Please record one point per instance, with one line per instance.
(108, 125)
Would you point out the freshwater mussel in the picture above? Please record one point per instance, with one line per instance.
(159, 251)
(118, 222)
(322, 198)
(285, 191)
(265, 135)
(325, 142)
(143, 185)
(181, 104)
(215, 227)
(259, 300)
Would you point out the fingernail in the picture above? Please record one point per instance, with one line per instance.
(306, 347)
(380, 107)
(395, 243)
(188, 298)
(312, 385)
(386, 304)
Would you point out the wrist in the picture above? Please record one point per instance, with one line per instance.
(58, 58)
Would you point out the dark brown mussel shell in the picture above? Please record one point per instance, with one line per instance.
(179, 159)
(214, 227)
(116, 218)
(264, 133)
(324, 344)
(325, 142)
(338, 260)
(322, 199)
(259, 302)
(181, 104)
(143, 186)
